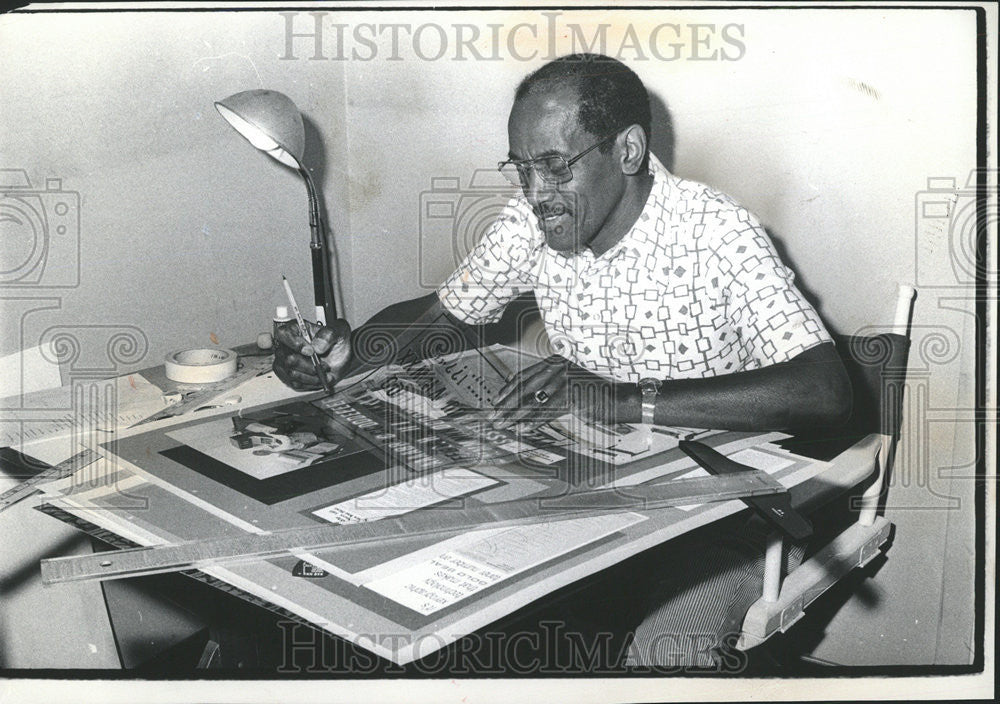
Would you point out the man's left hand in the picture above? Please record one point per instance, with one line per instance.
(551, 388)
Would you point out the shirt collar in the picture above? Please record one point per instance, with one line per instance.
(644, 228)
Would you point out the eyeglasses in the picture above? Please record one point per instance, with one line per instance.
(551, 169)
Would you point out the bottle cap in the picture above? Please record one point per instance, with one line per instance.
(281, 313)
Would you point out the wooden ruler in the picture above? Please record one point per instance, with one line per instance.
(136, 562)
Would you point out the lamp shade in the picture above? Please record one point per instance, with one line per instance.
(270, 121)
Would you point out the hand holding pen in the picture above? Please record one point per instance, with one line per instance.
(307, 355)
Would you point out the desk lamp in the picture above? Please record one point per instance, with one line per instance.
(270, 121)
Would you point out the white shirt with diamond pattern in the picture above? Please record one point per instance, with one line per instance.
(695, 289)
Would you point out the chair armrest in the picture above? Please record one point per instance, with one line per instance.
(847, 471)
(854, 468)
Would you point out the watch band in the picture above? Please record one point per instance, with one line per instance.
(649, 387)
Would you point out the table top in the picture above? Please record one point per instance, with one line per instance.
(189, 479)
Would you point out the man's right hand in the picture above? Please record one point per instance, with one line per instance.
(293, 355)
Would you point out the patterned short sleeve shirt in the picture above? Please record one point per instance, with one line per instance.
(695, 289)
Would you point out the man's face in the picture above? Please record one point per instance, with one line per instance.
(571, 215)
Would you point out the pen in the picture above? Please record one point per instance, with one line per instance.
(305, 333)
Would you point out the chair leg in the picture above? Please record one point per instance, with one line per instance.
(870, 499)
(772, 566)
(210, 657)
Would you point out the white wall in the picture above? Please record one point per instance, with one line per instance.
(827, 124)
(185, 229)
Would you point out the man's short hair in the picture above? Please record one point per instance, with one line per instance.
(611, 96)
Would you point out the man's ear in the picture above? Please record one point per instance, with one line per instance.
(633, 149)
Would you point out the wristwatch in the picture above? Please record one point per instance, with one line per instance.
(649, 388)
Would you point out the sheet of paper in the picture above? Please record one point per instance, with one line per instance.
(456, 574)
(685, 462)
(758, 459)
(407, 496)
(28, 371)
(412, 403)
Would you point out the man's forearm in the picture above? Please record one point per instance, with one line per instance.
(407, 332)
(811, 389)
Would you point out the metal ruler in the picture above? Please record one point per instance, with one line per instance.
(191, 399)
(135, 562)
(117, 541)
(59, 471)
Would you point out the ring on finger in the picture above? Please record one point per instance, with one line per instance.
(541, 396)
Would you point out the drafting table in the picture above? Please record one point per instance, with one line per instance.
(161, 484)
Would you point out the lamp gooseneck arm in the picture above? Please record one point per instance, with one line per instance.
(321, 264)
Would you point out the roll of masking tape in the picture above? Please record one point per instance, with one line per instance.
(202, 366)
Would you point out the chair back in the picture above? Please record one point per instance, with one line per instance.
(876, 366)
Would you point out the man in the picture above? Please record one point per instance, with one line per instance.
(664, 299)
